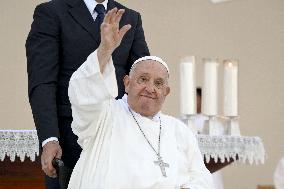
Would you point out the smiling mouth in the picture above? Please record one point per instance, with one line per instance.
(148, 97)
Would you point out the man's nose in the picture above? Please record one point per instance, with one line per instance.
(150, 87)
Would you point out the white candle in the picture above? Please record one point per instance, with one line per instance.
(210, 88)
(187, 86)
(230, 88)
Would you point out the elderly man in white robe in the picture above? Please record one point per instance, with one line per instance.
(129, 143)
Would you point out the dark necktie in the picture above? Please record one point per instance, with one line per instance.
(100, 9)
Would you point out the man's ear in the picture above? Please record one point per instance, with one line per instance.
(126, 81)
(167, 91)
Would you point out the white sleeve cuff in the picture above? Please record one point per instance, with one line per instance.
(48, 140)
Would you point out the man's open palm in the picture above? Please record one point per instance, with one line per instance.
(111, 35)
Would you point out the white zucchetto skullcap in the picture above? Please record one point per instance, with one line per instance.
(155, 58)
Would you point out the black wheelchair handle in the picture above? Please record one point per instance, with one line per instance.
(57, 163)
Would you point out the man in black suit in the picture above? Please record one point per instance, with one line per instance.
(62, 35)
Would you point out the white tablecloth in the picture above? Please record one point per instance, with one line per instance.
(24, 143)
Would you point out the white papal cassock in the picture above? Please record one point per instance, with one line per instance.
(115, 153)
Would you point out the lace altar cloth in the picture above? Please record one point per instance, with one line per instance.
(21, 143)
(24, 143)
(242, 149)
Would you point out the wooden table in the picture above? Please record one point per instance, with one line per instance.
(21, 175)
(218, 151)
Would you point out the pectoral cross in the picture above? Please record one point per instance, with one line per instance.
(162, 165)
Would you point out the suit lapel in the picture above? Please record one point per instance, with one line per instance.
(81, 14)
(110, 5)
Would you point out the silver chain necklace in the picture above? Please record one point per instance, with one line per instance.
(160, 161)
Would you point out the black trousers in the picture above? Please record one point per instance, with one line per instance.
(51, 183)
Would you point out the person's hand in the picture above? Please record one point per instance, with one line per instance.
(111, 35)
(50, 151)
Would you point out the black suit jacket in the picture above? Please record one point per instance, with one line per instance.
(62, 35)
